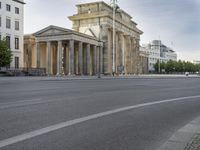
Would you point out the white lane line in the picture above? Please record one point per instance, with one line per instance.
(20, 103)
(58, 126)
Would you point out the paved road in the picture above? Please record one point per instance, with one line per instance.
(111, 114)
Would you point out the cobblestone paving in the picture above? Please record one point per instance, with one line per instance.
(194, 144)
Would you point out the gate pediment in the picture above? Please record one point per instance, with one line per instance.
(52, 31)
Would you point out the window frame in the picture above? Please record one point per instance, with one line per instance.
(8, 7)
(16, 62)
(8, 24)
(16, 10)
(16, 43)
(17, 23)
(8, 41)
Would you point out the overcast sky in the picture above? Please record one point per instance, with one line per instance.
(175, 22)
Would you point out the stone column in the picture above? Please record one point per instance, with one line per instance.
(48, 58)
(98, 60)
(59, 58)
(64, 58)
(88, 60)
(117, 62)
(137, 55)
(101, 59)
(29, 56)
(110, 44)
(37, 55)
(129, 55)
(95, 60)
(67, 59)
(123, 51)
(132, 56)
(80, 58)
(125, 54)
(71, 57)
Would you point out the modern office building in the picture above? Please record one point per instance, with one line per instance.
(11, 28)
(196, 61)
(158, 52)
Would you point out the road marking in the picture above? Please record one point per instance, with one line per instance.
(20, 103)
(58, 126)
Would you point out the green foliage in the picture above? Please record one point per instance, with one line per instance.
(170, 66)
(177, 67)
(5, 54)
(156, 66)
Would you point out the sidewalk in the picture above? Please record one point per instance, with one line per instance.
(104, 77)
(187, 138)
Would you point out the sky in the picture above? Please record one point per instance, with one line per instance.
(175, 22)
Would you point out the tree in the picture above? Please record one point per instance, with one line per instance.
(170, 66)
(5, 54)
(161, 65)
(156, 66)
(179, 66)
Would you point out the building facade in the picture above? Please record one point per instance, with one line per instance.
(143, 63)
(88, 49)
(11, 28)
(96, 19)
(62, 51)
(196, 61)
(158, 52)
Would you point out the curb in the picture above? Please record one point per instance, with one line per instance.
(183, 137)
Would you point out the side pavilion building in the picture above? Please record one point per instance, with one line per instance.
(63, 51)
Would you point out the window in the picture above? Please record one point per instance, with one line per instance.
(16, 43)
(17, 25)
(16, 10)
(0, 21)
(0, 4)
(8, 41)
(16, 62)
(8, 23)
(8, 7)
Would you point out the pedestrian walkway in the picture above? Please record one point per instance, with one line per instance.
(187, 138)
(194, 144)
(74, 77)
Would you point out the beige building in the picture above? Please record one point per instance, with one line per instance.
(143, 63)
(96, 19)
(62, 51)
(88, 49)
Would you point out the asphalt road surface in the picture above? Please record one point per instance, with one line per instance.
(108, 114)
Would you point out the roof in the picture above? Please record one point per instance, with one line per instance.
(19, 1)
(55, 30)
(102, 2)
